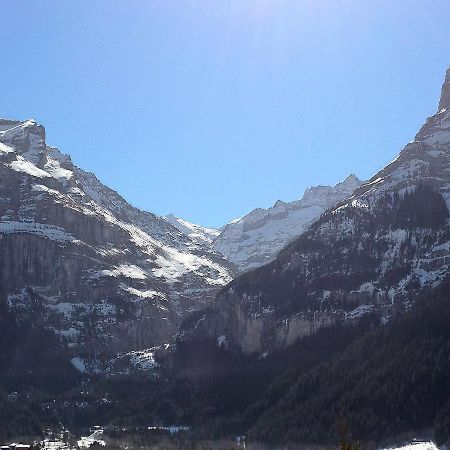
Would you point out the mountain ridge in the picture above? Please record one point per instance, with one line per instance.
(257, 237)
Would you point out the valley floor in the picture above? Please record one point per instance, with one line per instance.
(171, 438)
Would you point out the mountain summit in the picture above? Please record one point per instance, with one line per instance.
(444, 102)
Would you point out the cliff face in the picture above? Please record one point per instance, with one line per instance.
(78, 259)
(372, 253)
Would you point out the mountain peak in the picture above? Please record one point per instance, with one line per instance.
(444, 102)
(352, 178)
(279, 203)
(27, 137)
(30, 125)
(349, 184)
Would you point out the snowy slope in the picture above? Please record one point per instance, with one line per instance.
(416, 445)
(256, 238)
(197, 233)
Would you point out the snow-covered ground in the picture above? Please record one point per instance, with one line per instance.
(415, 445)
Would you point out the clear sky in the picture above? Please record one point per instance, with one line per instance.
(210, 108)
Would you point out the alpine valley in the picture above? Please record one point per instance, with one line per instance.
(282, 325)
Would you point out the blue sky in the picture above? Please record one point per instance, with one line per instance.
(210, 108)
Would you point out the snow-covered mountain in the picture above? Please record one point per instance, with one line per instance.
(197, 233)
(256, 238)
(74, 253)
(373, 253)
